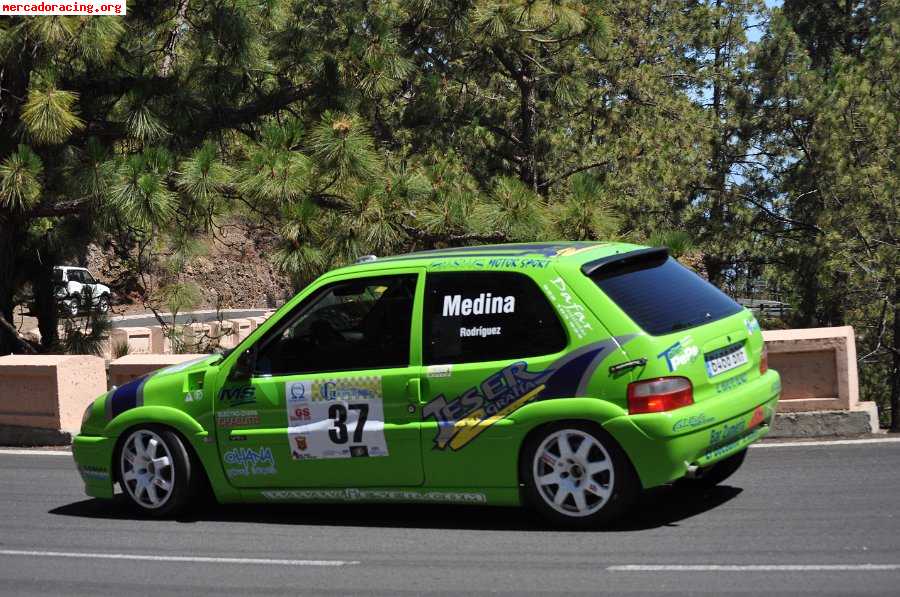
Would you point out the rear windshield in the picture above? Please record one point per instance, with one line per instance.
(663, 296)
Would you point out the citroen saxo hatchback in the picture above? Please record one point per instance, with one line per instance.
(564, 376)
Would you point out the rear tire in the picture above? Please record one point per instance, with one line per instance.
(157, 472)
(103, 303)
(575, 475)
(718, 472)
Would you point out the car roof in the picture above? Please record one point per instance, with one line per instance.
(570, 252)
(70, 267)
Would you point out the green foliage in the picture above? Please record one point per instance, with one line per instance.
(678, 242)
(85, 335)
(48, 115)
(20, 186)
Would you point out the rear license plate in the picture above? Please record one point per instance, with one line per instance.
(725, 359)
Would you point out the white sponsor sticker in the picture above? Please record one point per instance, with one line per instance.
(438, 370)
(572, 312)
(335, 418)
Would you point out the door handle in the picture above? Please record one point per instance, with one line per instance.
(414, 390)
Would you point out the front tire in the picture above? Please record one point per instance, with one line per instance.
(577, 476)
(156, 471)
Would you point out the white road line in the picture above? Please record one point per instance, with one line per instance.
(11, 452)
(751, 567)
(188, 559)
(833, 442)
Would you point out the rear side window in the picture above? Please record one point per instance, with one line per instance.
(487, 316)
(663, 296)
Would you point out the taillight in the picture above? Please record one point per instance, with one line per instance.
(764, 360)
(659, 395)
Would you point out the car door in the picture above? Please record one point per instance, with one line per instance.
(491, 343)
(329, 401)
(90, 285)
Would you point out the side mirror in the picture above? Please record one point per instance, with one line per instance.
(244, 366)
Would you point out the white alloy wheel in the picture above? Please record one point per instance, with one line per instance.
(148, 469)
(74, 306)
(103, 303)
(573, 473)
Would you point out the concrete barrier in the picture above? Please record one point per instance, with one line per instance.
(131, 366)
(47, 393)
(240, 329)
(138, 339)
(818, 372)
(157, 339)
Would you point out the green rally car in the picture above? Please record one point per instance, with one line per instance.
(564, 376)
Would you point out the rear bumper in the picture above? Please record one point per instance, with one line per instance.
(93, 457)
(663, 446)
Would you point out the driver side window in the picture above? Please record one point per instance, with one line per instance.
(349, 325)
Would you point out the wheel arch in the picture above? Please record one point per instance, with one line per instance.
(537, 416)
(191, 432)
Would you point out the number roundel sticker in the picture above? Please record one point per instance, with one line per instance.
(335, 418)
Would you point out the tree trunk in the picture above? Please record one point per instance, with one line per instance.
(895, 362)
(170, 51)
(46, 307)
(528, 127)
(9, 237)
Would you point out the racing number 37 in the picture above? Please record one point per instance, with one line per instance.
(338, 415)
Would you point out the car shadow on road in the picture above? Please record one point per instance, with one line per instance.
(660, 507)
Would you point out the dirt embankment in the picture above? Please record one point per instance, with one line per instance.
(232, 271)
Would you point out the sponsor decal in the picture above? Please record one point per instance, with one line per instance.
(518, 262)
(693, 422)
(493, 263)
(237, 396)
(228, 419)
(726, 432)
(752, 325)
(759, 415)
(193, 396)
(301, 413)
(484, 304)
(479, 331)
(469, 414)
(358, 451)
(572, 312)
(437, 371)
(244, 462)
(461, 420)
(379, 495)
(679, 354)
(731, 383)
(328, 390)
(93, 473)
(335, 418)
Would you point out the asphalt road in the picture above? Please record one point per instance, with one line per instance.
(201, 316)
(816, 519)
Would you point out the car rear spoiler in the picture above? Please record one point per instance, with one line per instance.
(621, 261)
